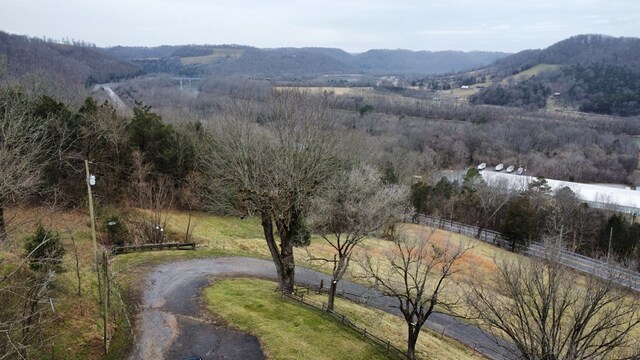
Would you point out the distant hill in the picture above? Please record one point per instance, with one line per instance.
(423, 62)
(592, 73)
(76, 64)
(202, 60)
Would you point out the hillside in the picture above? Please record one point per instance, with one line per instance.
(72, 64)
(591, 73)
(244, 60)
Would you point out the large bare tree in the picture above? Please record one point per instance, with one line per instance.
(354, 204)
(549, 314)
(415, 272)
(22, 139)
(269, 159)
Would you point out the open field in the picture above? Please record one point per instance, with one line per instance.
(533, 71)
(235, 236)
(213, 57)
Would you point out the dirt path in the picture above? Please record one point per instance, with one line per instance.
(170, 325)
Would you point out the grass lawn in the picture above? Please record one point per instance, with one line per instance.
(287, 330)
(393, 328)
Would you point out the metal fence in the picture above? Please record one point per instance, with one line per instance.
(602, 269)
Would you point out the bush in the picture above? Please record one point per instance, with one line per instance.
(116, 230)
(44, 250)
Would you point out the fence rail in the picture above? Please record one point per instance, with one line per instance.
(602, 269)
(159, 246)
(389, 349)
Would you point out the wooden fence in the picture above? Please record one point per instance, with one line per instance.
(159, 246)
(390, 350)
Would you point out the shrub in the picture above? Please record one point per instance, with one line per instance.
(44, 250)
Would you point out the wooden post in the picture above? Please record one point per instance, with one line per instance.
(105, 267)
(93, 219)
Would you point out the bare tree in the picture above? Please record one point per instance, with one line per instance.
(416, 272)
(353, 205)
(549, 315)
(21, 142)
(491, 198)
(25, 311)
(270, 160)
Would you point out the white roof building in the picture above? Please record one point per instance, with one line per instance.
(600, 196)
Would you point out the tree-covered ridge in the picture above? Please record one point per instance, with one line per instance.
(77, 64)
(597, 74)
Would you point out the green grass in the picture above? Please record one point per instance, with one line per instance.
(287, 330)
(393, 328)
(535, 70)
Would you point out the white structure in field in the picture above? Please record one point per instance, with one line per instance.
(599, 196)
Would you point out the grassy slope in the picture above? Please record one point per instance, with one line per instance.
(535, 70)
(78, 331)
(393, 328)
(286, 329)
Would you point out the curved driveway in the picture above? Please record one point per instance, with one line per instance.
(170, 325)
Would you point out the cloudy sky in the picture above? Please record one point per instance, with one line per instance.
(353, 25)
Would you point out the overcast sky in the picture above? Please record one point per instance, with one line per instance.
(353, 25)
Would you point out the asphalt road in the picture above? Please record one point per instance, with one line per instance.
(171, 326)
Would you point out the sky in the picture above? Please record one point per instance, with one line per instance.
(352, 25)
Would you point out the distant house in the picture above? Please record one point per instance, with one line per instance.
(556, 94)
(465, 87)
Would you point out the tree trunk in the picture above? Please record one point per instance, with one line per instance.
(3, 232)
(332, 294)
(288, 265)
(283, 259)
(267, 227)
(411, 341)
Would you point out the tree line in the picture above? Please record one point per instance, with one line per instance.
(530, 215)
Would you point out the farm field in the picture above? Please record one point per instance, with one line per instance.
(216, 55)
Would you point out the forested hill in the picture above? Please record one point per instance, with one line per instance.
(75, 64)
(592, 73)
(202, 60)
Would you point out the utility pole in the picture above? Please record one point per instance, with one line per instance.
(610, 237)
(93, 218)
(105, 270)
(91, 181)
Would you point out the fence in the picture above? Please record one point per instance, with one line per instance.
(599, 268)
(389, 349)
(159, 246)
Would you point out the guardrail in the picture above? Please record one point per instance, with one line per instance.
(602, 269)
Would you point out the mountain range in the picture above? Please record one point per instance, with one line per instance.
(593, 73)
